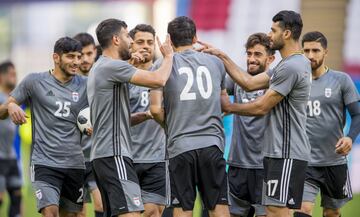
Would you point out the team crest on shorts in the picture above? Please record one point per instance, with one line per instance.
(38, 194)
(328, 92)
(75, 96)
(136, 201)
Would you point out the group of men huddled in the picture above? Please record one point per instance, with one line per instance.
(158, 137)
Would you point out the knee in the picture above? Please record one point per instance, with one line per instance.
(152, 212)
(331, 212)
(98, 206)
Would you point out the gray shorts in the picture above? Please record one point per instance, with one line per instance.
(10, 176)
(58, 186)
(332, 181)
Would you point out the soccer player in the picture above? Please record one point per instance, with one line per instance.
(193, 123)
(286, 147)
(87, 60)
(332, 92)
(56, 97)
(148, 138)
(245, 158)
(10, 177)
(110, 113)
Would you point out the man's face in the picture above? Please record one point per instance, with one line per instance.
(145, 43)
(276, 36)
(125, 43)
(257, 59)
(315, 53)
(87, 58)
(8, 79)
(70, 62)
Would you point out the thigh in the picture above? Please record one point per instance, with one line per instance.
(182, 170)
(72, 191)
(154, 183)
(283, 182)
(212, 177)
(118, 184)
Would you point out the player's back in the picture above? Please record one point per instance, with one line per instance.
(192, 102)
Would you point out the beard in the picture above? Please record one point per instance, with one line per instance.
(315, 65)
(260, 69)
(277, 45)
(10, 86)
(124, 54)
(62, 66)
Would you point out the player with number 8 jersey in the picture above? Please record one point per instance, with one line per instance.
(193, 123)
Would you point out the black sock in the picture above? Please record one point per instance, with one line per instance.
(15, 202)
(99, 214)
(300, 214)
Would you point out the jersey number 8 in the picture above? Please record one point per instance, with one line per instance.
(201, 70)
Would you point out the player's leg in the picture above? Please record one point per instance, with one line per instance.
(154, 184)
(336, 191)
(213, 181)
(3, 172)
(283, 185)
(238, 191)
(119, 186)
(97, 202)
(14, 183)
(255, 181)
(182, 170)
(46, 183)
(72, 193)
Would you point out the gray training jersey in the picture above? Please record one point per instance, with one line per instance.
(148, 137)
(326, 111)
(86, 146)
(108, 96)
(7, 134)
(248, 131)
(192, 102)
(54, 110)
(287, 129)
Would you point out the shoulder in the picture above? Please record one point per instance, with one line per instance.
(35, 76)
(340, 76)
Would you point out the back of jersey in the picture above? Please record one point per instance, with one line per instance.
(192, 102)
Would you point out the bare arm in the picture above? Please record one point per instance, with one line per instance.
(156, 109)
(259, 107)
(12, 109)
(246, 81)
(158, 77)
(139, 117)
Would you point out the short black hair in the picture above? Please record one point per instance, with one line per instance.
(141, 28)
(182, 30)
(262, 39)
(290, 20)
(66, 45)
(107, 29)
(98, 52)
(85, 39)
(315, 36)
(4, 66)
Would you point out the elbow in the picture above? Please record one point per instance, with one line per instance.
(262, 109)
(155, 111)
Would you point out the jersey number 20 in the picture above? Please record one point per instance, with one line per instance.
(200, 71)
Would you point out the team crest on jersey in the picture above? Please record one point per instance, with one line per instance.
(328, 92)
(75, 96)
(136, 201)
(38, 194)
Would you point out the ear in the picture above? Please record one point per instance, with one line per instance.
(326, 51)
(115, 40)
(287, 34)
(271, 59)
(194, 40)
(56, 58)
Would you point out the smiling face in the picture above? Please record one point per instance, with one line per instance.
(315, 53)
(257, 59)
(69, 63)
(145, 43)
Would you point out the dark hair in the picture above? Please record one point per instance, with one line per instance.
(98, 52)
(4, 66)
(262, 39)
(66, 45)
(182, 30)
(107, 29)
(141, 28)
(85, 39)
(315, 36)
(290, 20)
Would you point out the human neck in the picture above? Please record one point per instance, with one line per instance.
(145, 66)
(183, 48)
(111, 52)
(319, 71)
(61, 76)
(289, 49)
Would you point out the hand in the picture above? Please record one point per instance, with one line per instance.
(149, 115)
(17, 115)
(343, 146)
(225, 103)
(204, 46)
(137, 58)
(165, 48)
(89, 131)
(207, 48)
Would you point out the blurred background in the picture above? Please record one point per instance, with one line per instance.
(29, 29)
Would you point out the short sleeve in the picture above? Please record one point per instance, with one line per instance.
(284, 79)
(121, 71)
(23, 91)
(349, 91)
